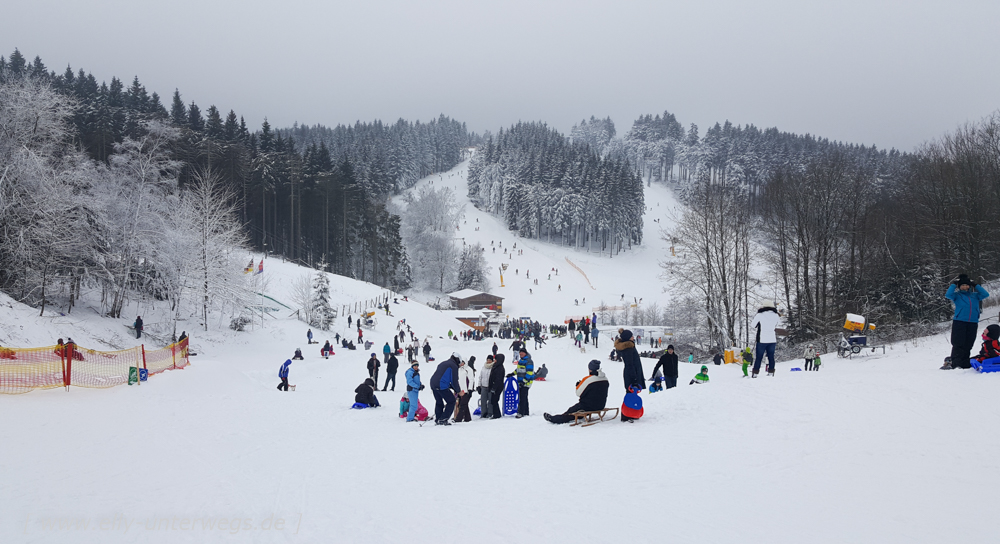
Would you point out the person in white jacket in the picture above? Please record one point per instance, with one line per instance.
(467, 384)
(483, 385)
(764, 323)
(808, 355)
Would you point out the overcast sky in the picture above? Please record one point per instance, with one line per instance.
(889, 73)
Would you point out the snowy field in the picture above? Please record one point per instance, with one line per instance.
(881, 448)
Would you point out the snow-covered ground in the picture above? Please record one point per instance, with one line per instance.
(881, 448)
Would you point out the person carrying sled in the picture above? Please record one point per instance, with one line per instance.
(966, 295)
(701, 377)
(283, 374)
(413, 389)
(592, 391)
(365, 394)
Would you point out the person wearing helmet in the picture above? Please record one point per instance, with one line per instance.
(701, 377)
(444, 386)
(373, 364)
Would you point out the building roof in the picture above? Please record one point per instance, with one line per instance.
(469, 293)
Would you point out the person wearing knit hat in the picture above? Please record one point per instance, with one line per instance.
(592, 391)
(668, 362)
(373, 365)
(525, 375)
(632, 374)
(966, 295)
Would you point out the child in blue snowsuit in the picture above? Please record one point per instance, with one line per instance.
(413, 387)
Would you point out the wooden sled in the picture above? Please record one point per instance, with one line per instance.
(586, 419)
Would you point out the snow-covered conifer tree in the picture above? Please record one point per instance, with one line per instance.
(320, 311)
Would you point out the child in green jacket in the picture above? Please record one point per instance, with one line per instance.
(701, 377)
(747, 360)
(816, 362)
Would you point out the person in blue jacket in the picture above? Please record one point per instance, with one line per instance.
(283, 374)
(966, 295)
(444, 385)
(413, 388)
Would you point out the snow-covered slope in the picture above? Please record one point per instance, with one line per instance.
(633, 273)
(882, 448)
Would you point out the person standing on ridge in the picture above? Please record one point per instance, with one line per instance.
(138, 327)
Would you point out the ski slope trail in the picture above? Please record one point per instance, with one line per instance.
(629, 276)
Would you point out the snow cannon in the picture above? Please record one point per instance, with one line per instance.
(857, 324)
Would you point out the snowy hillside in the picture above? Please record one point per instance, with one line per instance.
(594, 278)
(881, 448)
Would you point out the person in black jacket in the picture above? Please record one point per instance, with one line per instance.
(632, 374)
(138, 326)
(390, 372)
(373, 364)
(593, 393)
(668, 361)
(497, 374)
(366, 394)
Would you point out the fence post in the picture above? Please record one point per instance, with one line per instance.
(62, 355)
(173, 354)
(143, 364)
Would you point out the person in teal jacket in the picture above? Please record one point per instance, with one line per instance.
(413, 387)
(966, 295)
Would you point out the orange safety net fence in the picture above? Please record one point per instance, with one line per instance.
(25, 369)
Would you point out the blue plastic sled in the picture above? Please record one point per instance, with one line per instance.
(359, 406)
(510, 397)
(988, 365)
(478, 412)
(796, 369)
